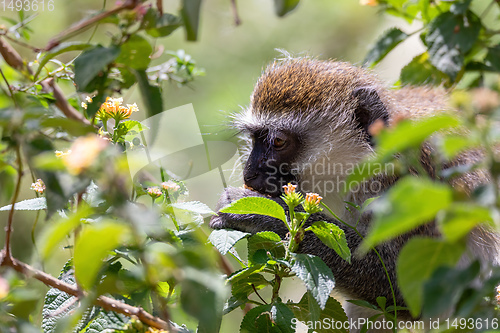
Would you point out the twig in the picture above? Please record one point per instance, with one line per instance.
(159, 6)
(49, 85)
(87, 23)
(10, 89)
(107, 303)
(234, 8)
(8, 230)
(257, 293)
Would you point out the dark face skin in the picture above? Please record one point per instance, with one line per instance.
(268, 168)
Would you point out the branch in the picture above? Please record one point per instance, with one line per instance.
(85, 24)
(107, 303)
(237, 20)
(49, 86)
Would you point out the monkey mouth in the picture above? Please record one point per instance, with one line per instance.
(245, 186)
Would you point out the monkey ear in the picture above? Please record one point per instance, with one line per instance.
(369, 109)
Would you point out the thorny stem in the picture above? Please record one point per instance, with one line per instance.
(376, 252)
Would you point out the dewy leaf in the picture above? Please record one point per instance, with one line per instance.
(256, 205)
(316, 275)
(408, 204)
(418, 259)
(190, 13)
(224, 239)
(135, 53)
(29, 204)
(59, 49)
(93, 246)
(59, 230)
(449, 38)
(389, 40)
(333, 237)
(282, 7)
(91, 62)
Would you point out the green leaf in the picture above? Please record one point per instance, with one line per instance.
(164, 26)
(283, 7)
(333, 237)
(107, 321)
(135, 53)
(307, 310)
(59, 49)
(91, 62)
(246, 286)
(420, 72)
(418, 259)
(442, 291)
(389, 40)
(29, 204)
(73, 127)
(449, 38)
(460, 218)
(317, 276)
(256, 205)
(224, 239)
(276, 317)
(407, 205)
(268, 241)
(244, 273)
(151, 96)
(190, 13)
(364, 304)
(93, 246)
(493, 58)
(57, 231)
(202, 296)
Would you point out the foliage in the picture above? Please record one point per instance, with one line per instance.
(140, 256)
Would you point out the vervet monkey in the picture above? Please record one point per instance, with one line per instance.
(308, 123)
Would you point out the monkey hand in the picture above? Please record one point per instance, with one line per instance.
(251, 223)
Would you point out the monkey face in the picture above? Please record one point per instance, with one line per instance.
(269, 165)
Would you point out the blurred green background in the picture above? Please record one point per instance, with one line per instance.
(232, 57)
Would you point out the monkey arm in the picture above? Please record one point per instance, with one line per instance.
(364, 278)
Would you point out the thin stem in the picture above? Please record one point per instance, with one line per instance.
(234, 8)
(8, 229)
(257, 293)
(10, 89)
(376, 252)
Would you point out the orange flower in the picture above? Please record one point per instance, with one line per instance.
(38, 186)
(371, 3)
(311, 203)
(290, 188)
(113, 108)
(83, 153)
(154, 192)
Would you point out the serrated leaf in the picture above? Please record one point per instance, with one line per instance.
(91, 62)
(224, 239)
(449, 38)
(317, 276)
(410, 203)
(93, 246)
(283, 7)
(28, 204)
(333, 237)
(389, 40)
(276, 317)
(245, 272)
(107, 321)
(57, 231)
(267, 241)
(418, 259)
(307, 310)
(59, 49)
(419, 71)
(256, 205)
(135, 53)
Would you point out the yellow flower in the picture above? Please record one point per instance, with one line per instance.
(38, 186)
(291, 197)
(154, 192)
(311, 203)
(83, 153)
(84, 105)
(290, 188)
(88, 99)
(61, 153)
(113, 108)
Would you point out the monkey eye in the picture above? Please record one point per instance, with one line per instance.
(278, 142)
